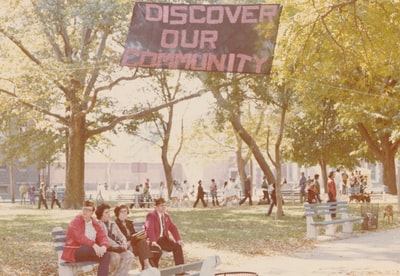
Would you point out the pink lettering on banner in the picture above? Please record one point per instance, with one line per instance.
(243, 59)
(268, 11)
(179, 13)
(194, 11)
(248, 15)
(260, 62)
(214, 62)
(171, 39)
(202, 62)
(233, 17)
(213, 14)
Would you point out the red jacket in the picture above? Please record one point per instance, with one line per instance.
(153, 227)
(76, 237)
(331, 189)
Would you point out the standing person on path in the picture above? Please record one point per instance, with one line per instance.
(185, 193)
(331, 189)
(200, 195)
(158, 227)
(22, 193)
(273, 202)
(317, 188)
(42, 195)
(86, 241)
(247, 191)
(54, 197)
(31, 195)
(265, 187)
(302, 185)
(214, 192)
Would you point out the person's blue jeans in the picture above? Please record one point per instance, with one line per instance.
(86, 253)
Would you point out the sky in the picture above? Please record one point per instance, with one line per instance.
(131, 149)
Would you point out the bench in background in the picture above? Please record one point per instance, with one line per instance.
(319, 215)
(291, 196)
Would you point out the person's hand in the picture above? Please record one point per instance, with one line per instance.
(98, 250)
(156, 244)
(180, 242)
(103, 250)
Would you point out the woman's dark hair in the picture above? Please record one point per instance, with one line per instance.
(118, 209)
(100, 209)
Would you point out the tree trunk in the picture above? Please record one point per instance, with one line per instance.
(75, 176)
(241, 165)
(254, 148)
(324, 175)
(246, 137)
(389, 172)
(167, 170)
(385, 151)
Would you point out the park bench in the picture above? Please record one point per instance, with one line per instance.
(64, 268)
(319, 215)
(291, 196)
(136, 200)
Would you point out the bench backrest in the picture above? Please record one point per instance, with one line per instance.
(326, 208)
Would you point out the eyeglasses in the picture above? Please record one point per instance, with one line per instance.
(87, 209)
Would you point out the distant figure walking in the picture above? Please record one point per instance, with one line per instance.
(54, 197)
(200, 195)
(22, 193)
(214, 192)
(42, 195)
(247, 191)
(32, 195)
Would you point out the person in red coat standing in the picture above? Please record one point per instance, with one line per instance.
(332, 190)
(86, 241)
(159, 226)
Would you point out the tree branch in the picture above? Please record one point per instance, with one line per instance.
(143, 113)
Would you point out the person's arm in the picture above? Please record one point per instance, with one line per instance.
(76, 233)
(171, 227)
(150, 227)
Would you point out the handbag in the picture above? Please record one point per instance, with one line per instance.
(139, 235)
(116, 249)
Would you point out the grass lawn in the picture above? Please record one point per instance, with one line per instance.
(26, 247)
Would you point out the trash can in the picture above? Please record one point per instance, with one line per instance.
(370, 214)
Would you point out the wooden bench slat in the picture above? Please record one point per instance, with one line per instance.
(87, 263)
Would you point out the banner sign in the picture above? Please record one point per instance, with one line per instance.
(218, 38)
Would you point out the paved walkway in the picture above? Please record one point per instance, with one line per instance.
(364, 254)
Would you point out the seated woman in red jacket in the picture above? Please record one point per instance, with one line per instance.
(86, 241)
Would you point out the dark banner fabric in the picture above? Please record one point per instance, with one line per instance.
(218, 38)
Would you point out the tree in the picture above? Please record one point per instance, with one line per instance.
(65, 63)
(166, 87)
(337, 48)
(319, 138)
